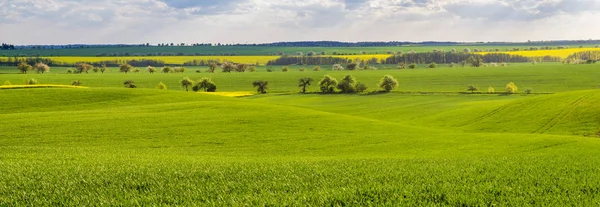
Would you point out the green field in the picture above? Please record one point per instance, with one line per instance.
(251, 50)
(109, 145)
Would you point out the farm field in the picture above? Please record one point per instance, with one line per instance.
(253, 50)
(103, 144)
(562, 53)
(179, 60)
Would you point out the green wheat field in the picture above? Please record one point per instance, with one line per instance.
(427, 143)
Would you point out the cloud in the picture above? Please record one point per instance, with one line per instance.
(229, 21)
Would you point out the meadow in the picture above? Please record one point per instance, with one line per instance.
(424, 144)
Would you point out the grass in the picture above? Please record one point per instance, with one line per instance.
(108, 145)
(547, 77)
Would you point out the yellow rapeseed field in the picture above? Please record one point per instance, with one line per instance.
(231, 94)
(562, 53)
(172, 59)
(178, 60)
(38, 86)
(364, 57)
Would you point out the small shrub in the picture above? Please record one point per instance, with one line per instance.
(269, 69)
(285, 69)
(528, 91)
(150, 69)
(451, 65)
(198, 71)
(302, 69)
(31, 81)
(7, 83)
(491, 90)
(251, 69)
(129, 84)
(433, 65)
(136, 70)
(360, 87)
(412, 66)
(161, 86)
(317, 68)
(70, 71)
(76, 83)
(167, 70)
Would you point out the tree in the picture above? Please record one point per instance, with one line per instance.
(161, 86)
(261, 86)
(167, 70)
(337, 67)
(41, 68)
(212, 67)
(227, 67)
(129, 84)
(206, 85)
(388, 83)
(83, 68)
(125, 68)
(346, 85)
(240, 68)
(475, 61)
(511, 88)
(351, 66)
(304, 82)
(186, 83)
(102, 68)
(76, 83)
(328, 84)
(151, 69)
(472, 88)
(491, 90)
(24, 67)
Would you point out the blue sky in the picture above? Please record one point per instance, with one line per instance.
(256, 21)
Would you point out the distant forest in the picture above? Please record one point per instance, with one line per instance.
(6, 46)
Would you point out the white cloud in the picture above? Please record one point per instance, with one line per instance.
(229, 21)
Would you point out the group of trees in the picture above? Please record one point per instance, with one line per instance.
(204, 84)
(38, 67)
(511, 88)
(7, 47)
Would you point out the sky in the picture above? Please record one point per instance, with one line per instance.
(264, 21)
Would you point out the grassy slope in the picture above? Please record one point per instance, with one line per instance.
(139, 147)
(135, 147)
(245, 50)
